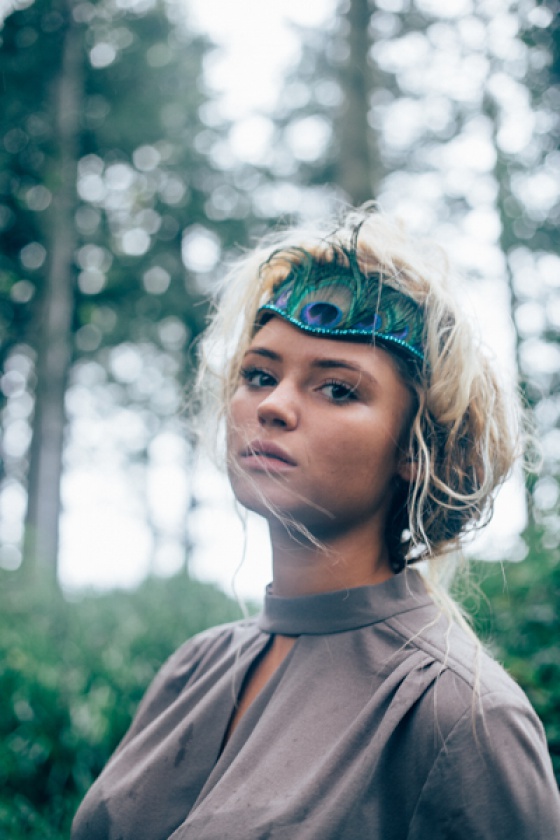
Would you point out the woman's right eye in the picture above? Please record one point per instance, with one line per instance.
(257, 378)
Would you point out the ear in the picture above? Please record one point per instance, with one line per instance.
(407, 468)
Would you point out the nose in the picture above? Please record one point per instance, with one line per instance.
(279, 408)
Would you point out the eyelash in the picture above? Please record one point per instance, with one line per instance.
(350, 392)
(251, 374)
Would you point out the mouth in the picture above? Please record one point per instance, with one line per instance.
(265, 455)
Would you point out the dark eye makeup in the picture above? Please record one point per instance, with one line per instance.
(256, 377)
(339, 392)
(336, 390)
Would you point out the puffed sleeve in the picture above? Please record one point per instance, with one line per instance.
(176, 674)
(492, 779)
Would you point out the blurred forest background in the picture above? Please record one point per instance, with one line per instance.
(123, 187)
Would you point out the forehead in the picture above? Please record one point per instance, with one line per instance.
(297, 347)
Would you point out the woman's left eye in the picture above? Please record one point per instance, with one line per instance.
(339, 392)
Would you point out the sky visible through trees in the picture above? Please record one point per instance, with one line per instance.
(143, 143)
(256, 47)
(231, 73)
(184, 152)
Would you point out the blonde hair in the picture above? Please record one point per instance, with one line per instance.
(465, 434)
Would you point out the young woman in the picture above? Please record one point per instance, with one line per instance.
(365, 423)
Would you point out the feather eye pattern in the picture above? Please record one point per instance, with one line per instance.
(334, 298)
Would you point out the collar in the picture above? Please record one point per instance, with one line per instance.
(345, 609)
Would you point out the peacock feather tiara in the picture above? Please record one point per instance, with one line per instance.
(336, 299)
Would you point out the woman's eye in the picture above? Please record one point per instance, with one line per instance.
(257, 378)
(339, 392)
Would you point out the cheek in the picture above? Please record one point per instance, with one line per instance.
(238, 418)
(366, 454)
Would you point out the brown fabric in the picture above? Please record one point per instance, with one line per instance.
(370, 728)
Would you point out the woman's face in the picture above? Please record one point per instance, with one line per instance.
(314, 430)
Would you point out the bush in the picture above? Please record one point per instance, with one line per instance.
(518, 617)
(71, 677)
(72, 673)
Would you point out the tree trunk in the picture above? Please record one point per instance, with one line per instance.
(507, 242)
(356, 172)
(54, 340)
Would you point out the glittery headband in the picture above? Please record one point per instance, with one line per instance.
(338, 300)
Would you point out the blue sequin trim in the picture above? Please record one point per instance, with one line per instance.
(369, 333)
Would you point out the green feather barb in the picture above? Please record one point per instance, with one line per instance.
(335, 298)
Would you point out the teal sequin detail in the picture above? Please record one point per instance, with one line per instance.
(339, 301)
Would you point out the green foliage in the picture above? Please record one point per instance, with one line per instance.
(519, 619)
(134, 139)
(71, 677)
(112, 222)
(73, 672)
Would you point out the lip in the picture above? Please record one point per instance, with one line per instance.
(266, 456)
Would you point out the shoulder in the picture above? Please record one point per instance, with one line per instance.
(184, 667)
(200, 651)
(459, 658)
(491, 774)
(208, 644)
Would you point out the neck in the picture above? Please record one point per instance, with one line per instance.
(341, 561)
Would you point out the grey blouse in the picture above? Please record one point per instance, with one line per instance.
(383, 723)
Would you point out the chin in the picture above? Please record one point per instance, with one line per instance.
(263, 505)
(263, 494)
(272, 499)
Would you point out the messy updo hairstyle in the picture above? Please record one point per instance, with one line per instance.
(464, 435)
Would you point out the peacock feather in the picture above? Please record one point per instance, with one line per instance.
(335, 298)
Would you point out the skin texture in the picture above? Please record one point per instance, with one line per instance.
(314, 434)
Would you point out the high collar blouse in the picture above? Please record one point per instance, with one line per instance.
(343, 610)
(384, 722)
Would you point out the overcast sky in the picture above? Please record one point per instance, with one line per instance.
(113, 546)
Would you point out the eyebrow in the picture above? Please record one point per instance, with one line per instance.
(322, 364)
(263, 351)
